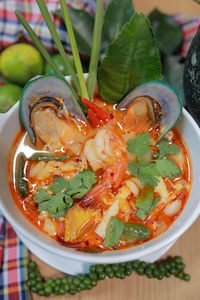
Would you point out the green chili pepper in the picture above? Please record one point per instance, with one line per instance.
(45, 157)
(135, 232)
(22, 186)
(113, 232)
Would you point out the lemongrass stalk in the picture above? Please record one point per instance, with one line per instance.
(38, 43)
(75, 52)
(45, 13)
(96, 41)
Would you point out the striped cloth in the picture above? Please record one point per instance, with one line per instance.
(11, 29)
(13, 261)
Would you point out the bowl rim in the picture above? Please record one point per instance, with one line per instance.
(115, 256)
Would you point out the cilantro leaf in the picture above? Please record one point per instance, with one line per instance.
(81, 184)
(167, 168)
(58, 185)
(133, 168)
(147, 172)
(41, 195)
(166, 148)
(140, 144)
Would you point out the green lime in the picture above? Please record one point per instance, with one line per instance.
(57, 58)
(9, 95)
(20, 62)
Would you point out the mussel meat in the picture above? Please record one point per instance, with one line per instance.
(152, 103)
(44, 99)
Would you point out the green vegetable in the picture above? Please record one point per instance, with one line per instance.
(167, 168)
(135, 232)
(147, 172)
(56, 205)
(84, 93)
(22, 185)
(83, 24)
(73, 284)
(114, 20)
(64, 191)
(129, 62)
(96, 42)
(113, 232)
(145, 202)
(46, 157)
(162, 165)
(140, 144)
(168, 32)
(166, 148)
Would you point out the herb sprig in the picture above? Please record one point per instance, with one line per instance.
(161, 164)
(58, 199)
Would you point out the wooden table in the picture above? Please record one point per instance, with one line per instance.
(138, 287)
(188, 246)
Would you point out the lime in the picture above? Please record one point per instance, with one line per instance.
(9, 95)
(20, 62)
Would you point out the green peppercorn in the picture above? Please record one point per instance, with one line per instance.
(180, 274)
(86, 281)
(56, 290)
(172, 264)
(81, 276)
(148, 272)
(155, 272)
(32, 265)
(62, 291)
(72, 286)
(128, 272)
(89, 287)
(135, 264)
(152, 266)
(108, 269)
(34, 289)
(58, 281)
(78, 289)
(180, 266)
(32, 282)
(128, 265)
(70, 279)
(117, 274)
(93, 282)
(140, 270)
(93, 275)
(160, 276)
(186, 277)
(39, 286)
(41, 293)
(110, 274)
(49, 281)
(28, 283)
(82, 286)
(167, 274)
(72, 292)
(99, 268)
(76, 281)
(122, 275)
(93, 268)
(48, 290)
(115, 267)
(172, 271)
(178, 259)
(102, 275)
(161, 267)
(39, 278)
(64, 280)
(143, 264)
(32, 275)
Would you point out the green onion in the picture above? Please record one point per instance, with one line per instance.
(84, 93)
(38, 44)
(113, 232)
(96, 41)
(22, 185)
(52, 29)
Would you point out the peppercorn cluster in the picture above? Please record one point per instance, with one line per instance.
(74, 284)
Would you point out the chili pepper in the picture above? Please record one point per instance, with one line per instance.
(135, 232)
(93, 119)
(42, 156)
(22, 186)
(100, 113)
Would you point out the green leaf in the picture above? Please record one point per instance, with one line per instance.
(166, 148)
(148, 173)
(113, 233)
(59, 185)
(167, 168)
(114, 20)
(130, 60)
(133, 168)
(82, 23)
(168, 32)
(41, 195)
(173, 73)
(140, 144)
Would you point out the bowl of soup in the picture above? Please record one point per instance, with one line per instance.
(102, 190)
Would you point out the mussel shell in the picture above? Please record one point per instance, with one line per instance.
(168, 98)
(47, 86)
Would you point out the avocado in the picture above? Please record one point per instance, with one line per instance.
(191, 78)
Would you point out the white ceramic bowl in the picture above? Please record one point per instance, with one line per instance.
(70, 260)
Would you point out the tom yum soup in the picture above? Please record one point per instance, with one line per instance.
(111, 180)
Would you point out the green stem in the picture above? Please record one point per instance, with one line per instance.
(96, 41)
(52, 29)
(84, 93)
(38, 44)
